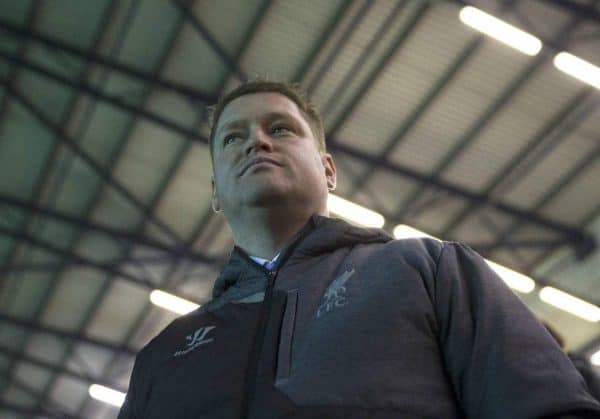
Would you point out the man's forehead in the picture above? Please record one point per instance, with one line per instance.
(257, 105)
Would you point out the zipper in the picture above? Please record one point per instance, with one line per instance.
(263, 318)
(257, 345)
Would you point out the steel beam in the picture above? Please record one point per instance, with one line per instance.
(587, 244)
(571, 233)
(86, 55)
(188, 14)
(582, 11)
(96, 93)
(76, 149)
(19, 356)
(405, 171)
(31, 412)
(323, 38)
(393, 47)
(136, 239)
(398, 169)
(546, 140)
(19, 235)
(189, 243)
(89, 313)
(80, 260)
(63, 334)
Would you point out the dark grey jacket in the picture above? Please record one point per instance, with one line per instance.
(353, 324)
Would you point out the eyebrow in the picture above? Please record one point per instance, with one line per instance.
(271, 116)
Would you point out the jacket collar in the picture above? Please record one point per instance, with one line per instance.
(319, 235)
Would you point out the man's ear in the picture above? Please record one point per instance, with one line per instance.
(330, 170)
(215, 199)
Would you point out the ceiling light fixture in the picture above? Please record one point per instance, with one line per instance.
(171, 302)
(500, 30)
(573, 305)
(354, 212)
(107, 395)
(595, 359)
(513, 279)
(578, 68)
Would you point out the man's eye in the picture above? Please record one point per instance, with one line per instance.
(229, 139)
(280, 129)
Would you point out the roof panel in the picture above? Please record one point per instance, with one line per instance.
(26, 292)
(349, 170)
(145, 40)
(174, 107)
(288, 32)
(494, 148)
(396, 187)
(430, 50)
(578, 200)
(433, 218)
(45, 347)
(145, 160)
(16, 11)
(21, 134)
(116, 211)
(89, 360)
(192, 178)
(101, 133)
(35, 377)
(72, 21)
(437, 131)
(71, 298)
(120, 307)
(540, 179)
(189, 57)
(71, 184)
(69, 392)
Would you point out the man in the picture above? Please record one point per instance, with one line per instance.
(315, 318)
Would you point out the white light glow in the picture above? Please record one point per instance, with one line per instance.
(595, 359)
(499, 30)
(355, 213)
(107, 395)
(171, 302)
(578, 68)
(570, 304)
(513, 279)
(402, 231)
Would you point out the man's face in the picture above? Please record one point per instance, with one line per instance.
(265, 155)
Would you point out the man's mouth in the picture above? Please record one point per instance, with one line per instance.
(258, 160)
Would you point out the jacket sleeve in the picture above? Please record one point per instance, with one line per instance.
(501, 361)
(131, 406)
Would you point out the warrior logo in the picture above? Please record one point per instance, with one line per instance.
(199, 337)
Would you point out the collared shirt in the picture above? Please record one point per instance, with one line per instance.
(269, 264)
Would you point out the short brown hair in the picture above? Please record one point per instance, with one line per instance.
(293, 91)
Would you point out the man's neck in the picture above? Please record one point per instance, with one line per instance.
(265, 234)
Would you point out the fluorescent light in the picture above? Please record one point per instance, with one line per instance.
(513, 279)
(500, 30)
(402, 231)
(355, 213)
(571, 304)
(107, 395)
(578, 68)
(595, 359)
(171, 302)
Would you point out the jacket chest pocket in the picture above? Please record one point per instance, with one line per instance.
(286, 337)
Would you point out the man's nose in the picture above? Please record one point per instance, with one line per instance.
(258, 141)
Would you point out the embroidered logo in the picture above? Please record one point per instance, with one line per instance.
(335, 295)
(199, 337)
